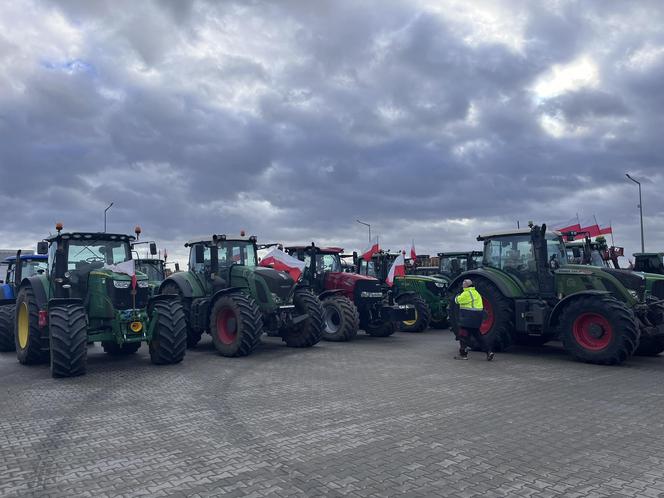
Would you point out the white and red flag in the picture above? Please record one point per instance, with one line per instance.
(413, 254)
(126, 267)
(374, 248)
(279, 260)
(398, 269)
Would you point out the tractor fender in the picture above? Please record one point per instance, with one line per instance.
(181, 281)
(560, 305)
(223, 292)
(481, 273)
(328, 293)
(37, 289)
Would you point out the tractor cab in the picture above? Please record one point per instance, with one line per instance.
(451, 264)
(30, 264)
(320, 263)
(649, 262)
(582, 250)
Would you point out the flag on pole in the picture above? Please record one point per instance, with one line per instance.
(279, 260)
(126, 267)
(413, 254)
(371, 250)
(398, 269)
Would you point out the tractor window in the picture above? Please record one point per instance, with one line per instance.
(453, 265)
(369, 268)
(153, 269)
(199, 267)
(82, 253)
(33, 267)
(237, 252)
(3, 271)
(510, 253)
(476, 261)
(557, 253)
(328, 262)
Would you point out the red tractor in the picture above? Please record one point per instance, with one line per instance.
(350, 301)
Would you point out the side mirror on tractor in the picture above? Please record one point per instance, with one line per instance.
(153, 248)
(199, 253)
(42, 247)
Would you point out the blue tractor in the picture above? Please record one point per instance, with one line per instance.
(12, 272)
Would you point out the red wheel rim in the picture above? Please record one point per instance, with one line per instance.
(487, 323)
(226, 326)
(592, 331)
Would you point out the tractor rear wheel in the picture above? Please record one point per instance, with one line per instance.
(68, 331)
(381, 329)
(309, 331)
(7, 328)
(599, 329)
(193, 336)
(115, 349)
(27, 335)
(168, 345)
(341, 318)
(422, 314)
(498, 323)
(236, 324)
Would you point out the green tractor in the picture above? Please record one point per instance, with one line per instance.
(532, 296)
(649, 262)
(226, 294)
(87, 295)
(586, 251)
(427, 294)
(453, 264)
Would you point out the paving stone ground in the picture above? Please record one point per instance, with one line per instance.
(375, 417)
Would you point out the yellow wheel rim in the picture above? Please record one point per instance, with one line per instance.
(23, 325)
(410, 323)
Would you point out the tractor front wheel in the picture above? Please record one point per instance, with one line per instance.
(68, 330)
(309, 331)
(168, 344)
(193, 336)
(27, 335)
(599, 329)
(341, 319)
(7, 328)
(114, 349)
(236, 324)
(422, 314)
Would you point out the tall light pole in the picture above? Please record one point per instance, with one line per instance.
(109, 207)
(366, 225)
(643, 246)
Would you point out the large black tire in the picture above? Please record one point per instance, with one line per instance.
(193, 336)
(168, 344)
(68, 331)
(599, 329)
(443, 323)
(341, 319)
(27, 335)
(310, 331)
(382, 329)
(497, 328)
(7, 313)
(236, 324)
(422, 314)
(115, 349)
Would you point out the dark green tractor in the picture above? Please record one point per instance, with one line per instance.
(87, 294)
(453, 264)
(428, 295)
(532, 296)
(226, 294)
(649, 262)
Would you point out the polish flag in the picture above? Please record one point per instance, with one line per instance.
(413, 254)
(371, 250)
(605, 230)
(126, 267)
(279, 260)
(398, 269)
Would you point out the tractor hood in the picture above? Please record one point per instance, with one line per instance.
(278, 282)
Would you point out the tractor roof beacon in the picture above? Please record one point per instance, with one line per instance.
(30, 264)
(532, 295)
(427, 294)
(226, 294)
(86, 295)
(350, 301)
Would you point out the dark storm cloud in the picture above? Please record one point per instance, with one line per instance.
(292, 119)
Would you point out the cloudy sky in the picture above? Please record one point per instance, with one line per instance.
(431, 120)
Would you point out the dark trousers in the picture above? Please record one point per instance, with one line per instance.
(464, 340)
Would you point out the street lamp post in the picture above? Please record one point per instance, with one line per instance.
(109, 207)
(366, 225)
(643, 248)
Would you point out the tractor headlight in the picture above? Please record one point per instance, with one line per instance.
(439, 285)
(143, 284)
(121, 284)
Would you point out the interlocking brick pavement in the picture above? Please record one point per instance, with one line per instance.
(376, 417)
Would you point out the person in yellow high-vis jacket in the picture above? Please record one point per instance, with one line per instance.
(470, 316)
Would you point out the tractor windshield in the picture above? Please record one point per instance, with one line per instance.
(33, 267)
(453, 265)
(555, 248)
(153, 269)
(109, 252)
(368, 268)
(328, 262)
(239, 252)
